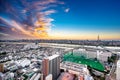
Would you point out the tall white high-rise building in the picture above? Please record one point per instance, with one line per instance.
(118, 70)
(51, 65)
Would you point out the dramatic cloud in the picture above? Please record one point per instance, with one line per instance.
(30, 18)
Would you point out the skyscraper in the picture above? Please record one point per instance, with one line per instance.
(51, 65)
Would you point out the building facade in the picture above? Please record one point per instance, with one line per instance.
(118, 70)
(51, 65)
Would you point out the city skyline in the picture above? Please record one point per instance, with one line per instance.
(60, 19)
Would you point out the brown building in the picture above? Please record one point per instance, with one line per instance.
(51, 65)
(1, 67)
(45, 67)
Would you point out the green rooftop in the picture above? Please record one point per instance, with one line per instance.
(83, 60)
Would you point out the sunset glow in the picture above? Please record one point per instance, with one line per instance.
(54, 19)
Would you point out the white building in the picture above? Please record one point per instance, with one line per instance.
(118, 70)
(32, 45)
(103, 55)
(23, 62)
(49, 77)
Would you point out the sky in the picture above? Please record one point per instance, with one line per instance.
(60, 19)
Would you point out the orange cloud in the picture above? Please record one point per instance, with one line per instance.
(39, 31)
(36, 24)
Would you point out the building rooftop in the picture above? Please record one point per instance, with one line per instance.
(52, 57)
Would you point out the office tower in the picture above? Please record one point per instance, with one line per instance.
(118, 70)
(51, 65)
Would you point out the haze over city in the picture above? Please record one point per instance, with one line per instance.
(60, 19)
